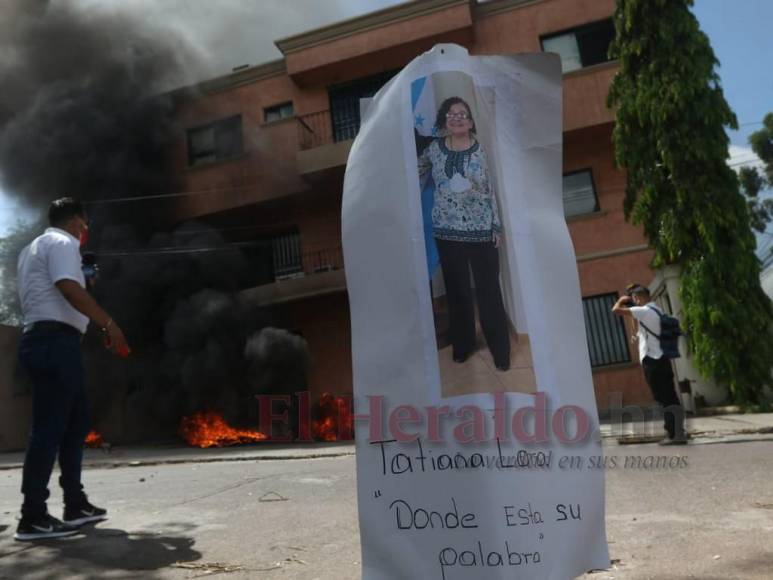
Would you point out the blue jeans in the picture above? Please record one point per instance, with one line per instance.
(60, 417)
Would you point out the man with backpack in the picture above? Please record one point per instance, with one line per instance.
(657, 334)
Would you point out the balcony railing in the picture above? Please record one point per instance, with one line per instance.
(314, 130)
(310, 263)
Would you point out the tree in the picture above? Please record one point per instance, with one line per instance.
(753, 182)
(669, 136)
(20, 235)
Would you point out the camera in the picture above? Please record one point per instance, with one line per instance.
(90, 268)
(630, 290)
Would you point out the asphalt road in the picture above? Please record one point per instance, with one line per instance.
(297, 519)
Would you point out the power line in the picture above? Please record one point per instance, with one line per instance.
(172, 250)
(171, 195)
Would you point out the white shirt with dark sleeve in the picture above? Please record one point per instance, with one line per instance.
(649, 344)
(50, 258)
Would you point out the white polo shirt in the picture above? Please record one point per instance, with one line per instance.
(649, 344)
(51, 257)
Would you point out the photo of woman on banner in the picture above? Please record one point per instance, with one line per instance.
(471, 274)
(467, 231)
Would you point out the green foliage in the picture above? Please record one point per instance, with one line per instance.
(670, 137)
(753, 181)
(10, 246)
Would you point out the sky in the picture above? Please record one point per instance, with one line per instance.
(230, 33)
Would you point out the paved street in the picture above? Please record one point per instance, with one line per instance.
(297, 519)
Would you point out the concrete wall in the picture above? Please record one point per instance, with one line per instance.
(15, 397)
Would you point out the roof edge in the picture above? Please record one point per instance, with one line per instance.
(378, 19)
(498, 6)
(245, 76)
(233, 79)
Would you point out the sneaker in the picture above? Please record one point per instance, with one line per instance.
(673, 441)
(42, 528)
(84, 514)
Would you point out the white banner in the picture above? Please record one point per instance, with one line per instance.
(477, 439)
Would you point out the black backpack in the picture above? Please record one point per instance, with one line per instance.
(670, 331)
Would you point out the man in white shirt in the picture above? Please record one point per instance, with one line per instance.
(56, 310)
(637, 304)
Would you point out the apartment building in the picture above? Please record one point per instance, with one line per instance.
(265, 147)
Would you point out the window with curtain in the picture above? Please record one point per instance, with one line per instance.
(219, 140)
(579, 193)
(605, 331)
(582, 46)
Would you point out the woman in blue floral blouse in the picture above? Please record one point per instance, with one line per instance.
(468, 231)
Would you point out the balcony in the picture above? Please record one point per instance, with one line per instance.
(311, 274)
(323, 148)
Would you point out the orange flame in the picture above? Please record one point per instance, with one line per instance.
(209, 429)
(94, 440)
(335, 423)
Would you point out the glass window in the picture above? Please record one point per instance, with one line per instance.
(605, 331)
(579, 193)
(345, 103)
(219, 140)
(583, 46)
(566, 46)
(277, 112)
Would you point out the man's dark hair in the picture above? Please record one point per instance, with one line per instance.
(632, 289)
(64, 209)
(440, 121)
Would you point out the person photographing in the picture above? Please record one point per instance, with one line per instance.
(56, 309)
(637, 303)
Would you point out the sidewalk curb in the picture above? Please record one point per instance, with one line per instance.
(713, 434)
(181, 460)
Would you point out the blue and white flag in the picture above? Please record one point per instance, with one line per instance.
(424, 113)
(424, 107)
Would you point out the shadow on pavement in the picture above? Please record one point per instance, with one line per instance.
(98, 550)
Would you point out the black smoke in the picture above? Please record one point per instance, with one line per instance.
(199, 343)
(84, 109)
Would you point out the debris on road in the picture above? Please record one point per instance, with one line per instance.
(209, 567)
(272, 496)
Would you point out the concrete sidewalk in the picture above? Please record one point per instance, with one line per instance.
(172, 454)
(701, 429)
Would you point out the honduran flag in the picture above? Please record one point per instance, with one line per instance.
(424, 112)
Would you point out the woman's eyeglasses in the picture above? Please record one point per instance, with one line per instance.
(459, 116)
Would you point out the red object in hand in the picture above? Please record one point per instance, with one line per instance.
(123, 351)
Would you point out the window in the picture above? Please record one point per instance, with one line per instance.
(218, 140)
(579, 193)
(583, 46)
(345, 103)
(605, 331)
(287, 257)
(278, 112)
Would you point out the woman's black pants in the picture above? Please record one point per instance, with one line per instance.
(456, 258)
